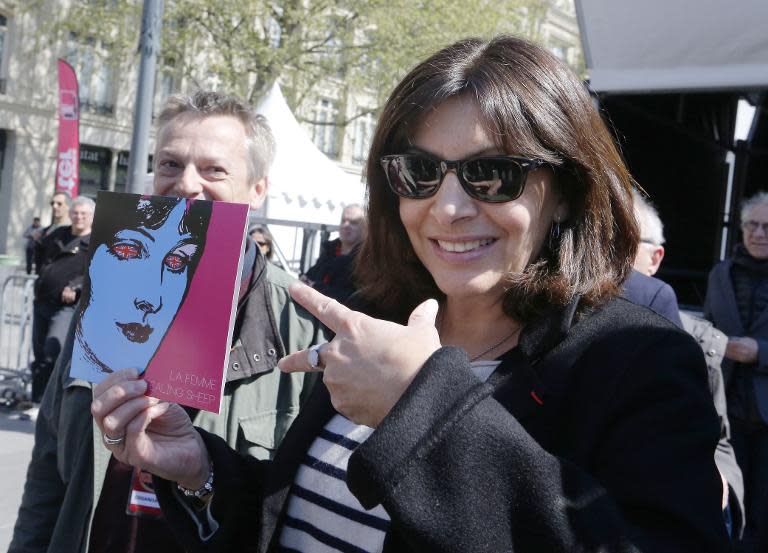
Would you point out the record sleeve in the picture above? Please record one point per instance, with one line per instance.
(160, 294)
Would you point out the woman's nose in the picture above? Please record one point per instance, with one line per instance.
(451, 203)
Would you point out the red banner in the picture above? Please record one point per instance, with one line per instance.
(68, 158)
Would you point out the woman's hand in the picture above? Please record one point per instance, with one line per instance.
(370, 362)
(147, 433)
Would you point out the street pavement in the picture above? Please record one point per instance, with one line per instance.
(16, 439)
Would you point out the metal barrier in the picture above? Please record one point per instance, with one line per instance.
(16, 299)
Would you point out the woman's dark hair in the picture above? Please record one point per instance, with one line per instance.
(133, 211)
(537, 108)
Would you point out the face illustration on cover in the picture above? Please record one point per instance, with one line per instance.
(139, 274)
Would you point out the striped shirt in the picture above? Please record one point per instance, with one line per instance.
(322, 515)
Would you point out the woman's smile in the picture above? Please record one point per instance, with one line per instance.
(462, 249)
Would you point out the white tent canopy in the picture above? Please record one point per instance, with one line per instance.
(674, 45)
(304, 185)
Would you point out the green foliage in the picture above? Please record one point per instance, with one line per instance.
(245, 45)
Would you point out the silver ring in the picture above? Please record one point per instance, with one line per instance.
(313, 357)
(113, 441)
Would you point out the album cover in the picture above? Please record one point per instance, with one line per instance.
(160, 294)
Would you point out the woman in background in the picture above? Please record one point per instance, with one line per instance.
(263, 239)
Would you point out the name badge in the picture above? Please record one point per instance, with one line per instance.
(142, 501)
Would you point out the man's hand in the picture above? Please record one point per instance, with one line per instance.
(370, 362)
(68, 295)
(742, 349)
(153, 435)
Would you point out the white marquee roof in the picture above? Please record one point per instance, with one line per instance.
(304, 185)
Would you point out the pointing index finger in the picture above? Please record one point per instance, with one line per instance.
(330, 312)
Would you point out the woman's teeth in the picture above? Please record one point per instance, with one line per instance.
(463, 246)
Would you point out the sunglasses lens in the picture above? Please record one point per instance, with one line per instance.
(494, 180)
(412, 176)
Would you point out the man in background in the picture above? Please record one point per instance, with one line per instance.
(737, 303)
(643, 288)
(56, 290)
(332, 274)
(45, 250)
(30, 237)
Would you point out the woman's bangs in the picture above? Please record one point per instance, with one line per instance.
(508, 118)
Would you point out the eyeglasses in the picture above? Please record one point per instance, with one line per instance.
(491, 179)
(650, 241)
(752, 226)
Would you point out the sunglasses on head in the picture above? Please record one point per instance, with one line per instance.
(492, 179)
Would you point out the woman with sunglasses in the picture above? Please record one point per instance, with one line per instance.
(497, 395)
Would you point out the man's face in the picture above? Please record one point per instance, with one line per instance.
(59, 206)
(755, 228)
(351, 231)
(82, 218)
(205, 157)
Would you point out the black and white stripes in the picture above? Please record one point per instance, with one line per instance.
(323, 515)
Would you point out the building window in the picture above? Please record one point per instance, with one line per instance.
(560, 51)
(361, 138)
(3, 51)
(94, 170)
(325, 132)
(95, 76)
(274, 31)
(165, 84)
(121, 173)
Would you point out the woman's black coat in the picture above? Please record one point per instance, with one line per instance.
(592, 435)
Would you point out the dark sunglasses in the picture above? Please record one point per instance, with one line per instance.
(492, 179)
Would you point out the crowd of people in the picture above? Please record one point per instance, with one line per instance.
(483, 360)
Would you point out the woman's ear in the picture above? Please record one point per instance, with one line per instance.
(562, 210)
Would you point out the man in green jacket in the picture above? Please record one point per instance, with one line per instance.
(77, 497)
